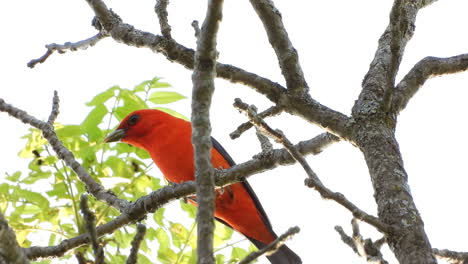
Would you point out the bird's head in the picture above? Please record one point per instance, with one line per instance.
(135, 126)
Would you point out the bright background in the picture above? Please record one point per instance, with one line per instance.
(336, 41)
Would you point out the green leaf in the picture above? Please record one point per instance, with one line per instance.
(59, 190)
(179, 234)
(150, 84)
(220, 259)
(142, 86)
(238, 253)
(165, 97)
(159, 85)
(142, 154)
(122, 238)
(119, 167)
(103, 97)
(165, 253)
(190, 209)
(142, 259)
(14, 177)
(221, 234)
(167, 256)
(31, 197)
(94, 118)
(35, 143)
(52, 239)
(131, 102)
(173, 113)
(162, 238)
(21, 237)
(117, 258)
(69, 131)
(4, 189)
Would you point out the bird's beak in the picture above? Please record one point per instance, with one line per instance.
(117, 135)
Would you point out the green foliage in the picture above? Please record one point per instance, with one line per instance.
(52, 209)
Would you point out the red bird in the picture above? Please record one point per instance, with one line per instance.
(168, 140)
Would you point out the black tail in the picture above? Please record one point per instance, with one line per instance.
(283, 255)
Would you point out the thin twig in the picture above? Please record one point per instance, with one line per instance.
(363, 247)
(277, 135)
(272, 111)
(265, 143)
(90, 225)
(452, 257)
(141, 231)
(196, 28)
(272, 247)
(55, 109)
(161, 11)
(66, 155)
(62, 48)
(312, 181)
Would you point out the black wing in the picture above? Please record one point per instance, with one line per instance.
(246, 185)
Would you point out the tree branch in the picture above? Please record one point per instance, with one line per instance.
(133, 257)
(450, 256)
(312, 181)
(10, 251)
(161, 12)
(127, 34)
(285, 52)
(136, 211)
(426, 68)
(153, 201)
(379, 81)
(363, 247)
(272, 247)
(63, 153)
(90, 225)
(272, 111)
(203, 87)
(62, 48)
(277, 135)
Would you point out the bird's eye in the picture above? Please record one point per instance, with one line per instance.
(132, 120)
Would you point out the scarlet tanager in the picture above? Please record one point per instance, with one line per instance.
(168, 140)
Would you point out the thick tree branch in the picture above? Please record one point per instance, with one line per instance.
(63, 153)
(330, 120)
(285, 52)
(175, 52)
(272, 247)
(62, 48)
(374, 134)
(203, 77)
(423, 70)
(379, 81)
(10, 251)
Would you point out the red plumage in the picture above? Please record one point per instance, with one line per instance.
(168, 140)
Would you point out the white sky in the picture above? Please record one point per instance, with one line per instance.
(336, 41)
